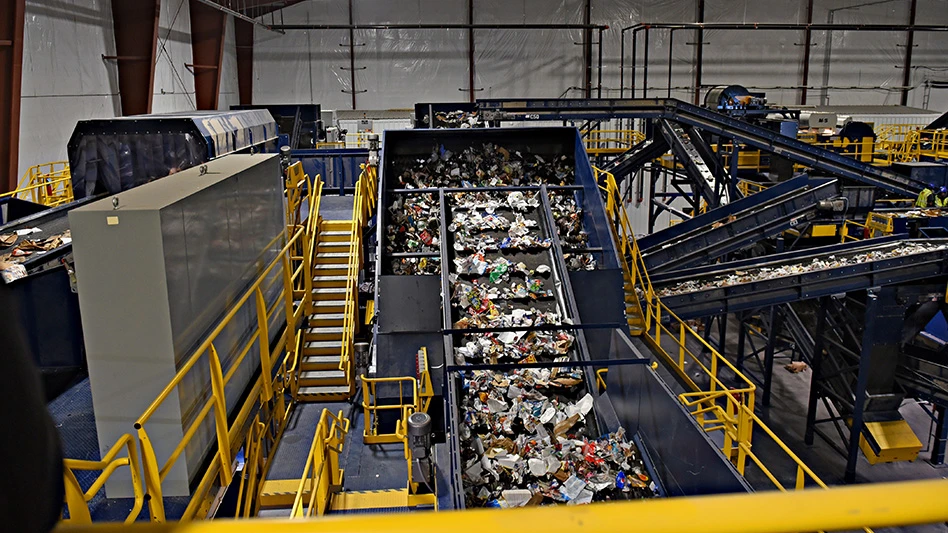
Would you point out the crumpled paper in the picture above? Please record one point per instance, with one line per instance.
(488, 165)
(525, 440)
(415, 224)
(751, 275)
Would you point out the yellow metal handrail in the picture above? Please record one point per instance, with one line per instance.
(717, 406)
(77, 499)
(49, 184)
(371, 407)
(296, 303)
(747, 187)
(836, 509)
(362, 206)
(598, 142)
(322, 466)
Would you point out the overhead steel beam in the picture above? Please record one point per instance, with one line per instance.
(136, 48)
(237, 14)
(439, 27)
(12, 13)
(243, 33)
(207, 52)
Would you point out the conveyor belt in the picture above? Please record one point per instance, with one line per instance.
(695, 166)
(732, 286)
(756, 137)
(734, 226)
(633, 158)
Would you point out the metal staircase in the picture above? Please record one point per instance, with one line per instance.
(323, 375)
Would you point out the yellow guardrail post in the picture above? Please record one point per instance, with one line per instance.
(220, 414)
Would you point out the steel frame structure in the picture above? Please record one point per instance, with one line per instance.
(807, 28)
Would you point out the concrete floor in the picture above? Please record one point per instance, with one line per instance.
(786, 417)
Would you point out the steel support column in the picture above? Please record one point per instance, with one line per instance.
(699, 52)
(941, 436)
(816, 364)
(873, 308)
(773, 327)
(243, 35)
(909, 45)
(207, 53)
(11, 69)
(807, 43)
(470, 51)
(587, 50)
(136, 48)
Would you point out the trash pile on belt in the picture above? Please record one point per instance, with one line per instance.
(415, 266)
(415, 224)
(751, 275)
(497, 269)
(489, 165)
(514, 346)
(568, 217)
(580, 261)
(490, 315)
(11, 268)
(525, 441)
(454, 119)
(490, 201)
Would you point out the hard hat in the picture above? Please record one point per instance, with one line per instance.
(943, 190)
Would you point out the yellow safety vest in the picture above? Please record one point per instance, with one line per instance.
(941, 203)
(923, 197)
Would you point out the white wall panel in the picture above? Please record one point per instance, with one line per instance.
(530, 63)
(64, 76)
(174, 84)
(303, 67)
(229, 91)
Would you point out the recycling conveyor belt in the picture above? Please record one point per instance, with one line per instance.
(674, 110)
(733, 226)
(801, 275)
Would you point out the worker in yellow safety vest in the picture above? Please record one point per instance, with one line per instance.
(941, 201)
(926, 197)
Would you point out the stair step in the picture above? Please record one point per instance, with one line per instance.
(323, 333)
(324, 393)
(330, 281)
(327, 319)
(322, 305)
(319, 378)
(322, 347)
(335, 235)
(335, 244)
(321, 362)
(329, 290)
(333, 258)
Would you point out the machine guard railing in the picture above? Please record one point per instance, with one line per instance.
(417, 398)
(363, 206)
(49, 184)
(77, 499)
(718, 405)
(321, 475)
(278, 375)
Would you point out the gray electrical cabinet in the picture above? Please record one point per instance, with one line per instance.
(157, 267)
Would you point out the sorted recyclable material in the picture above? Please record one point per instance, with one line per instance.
(583, 261)
(514, 347)
(454, 119)
(751, 275)
(491, 201)
(415, 224)
(414, 266)
(528, 438)
(569, 220)
(487, 165)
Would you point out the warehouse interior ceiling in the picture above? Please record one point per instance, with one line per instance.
(351, 67)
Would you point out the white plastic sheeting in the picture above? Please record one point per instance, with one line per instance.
(64, 77)
(397, 68)
(174, 84)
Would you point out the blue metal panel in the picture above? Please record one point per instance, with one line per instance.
(339, 168)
